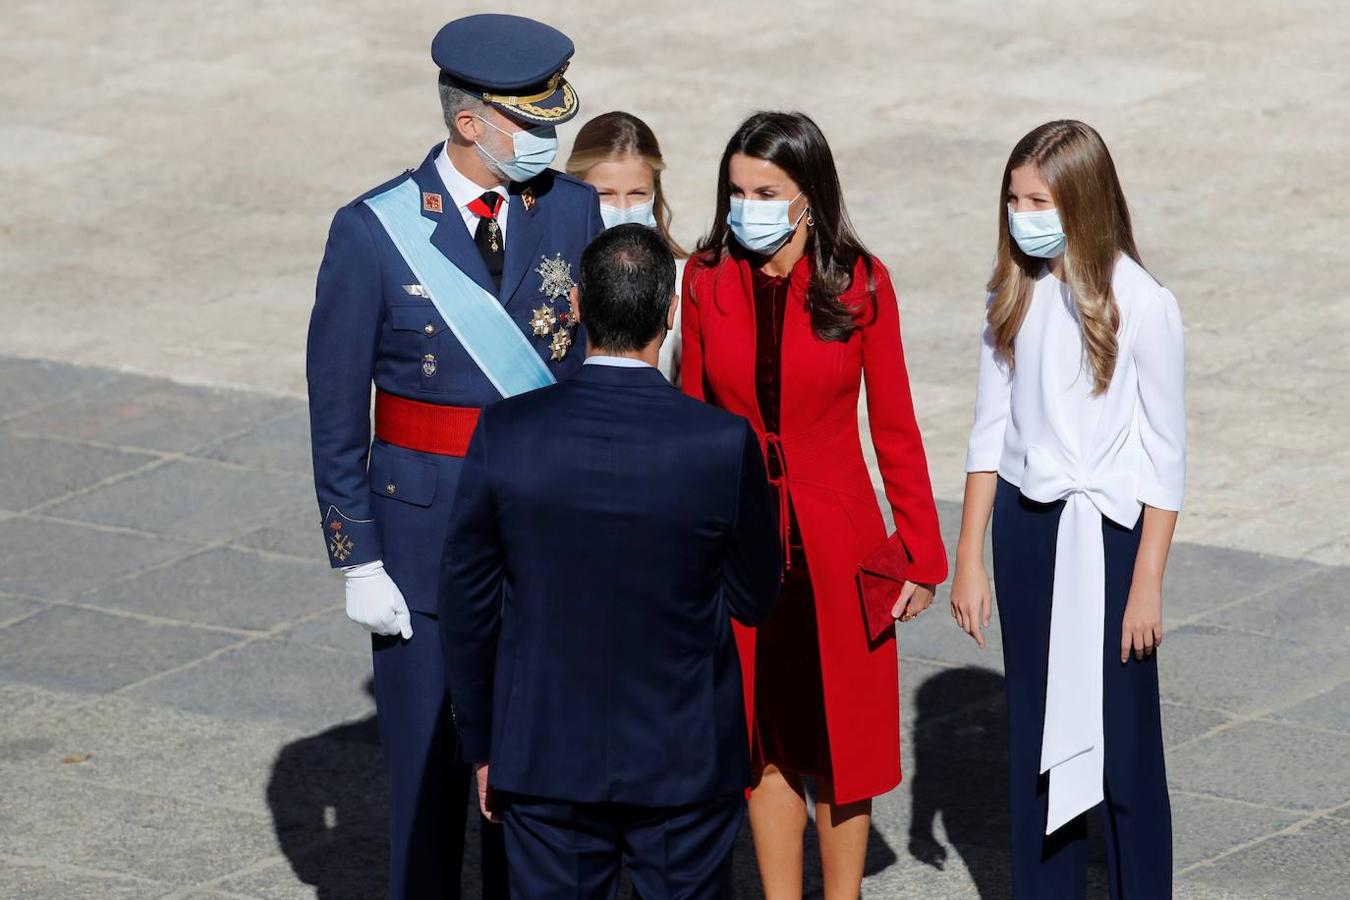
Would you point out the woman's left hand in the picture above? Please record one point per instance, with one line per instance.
(914, 599)
(1141, 631)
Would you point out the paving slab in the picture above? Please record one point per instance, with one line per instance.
(85, 650)
(226, 587)
(1326, 710)
(60, 560)
(13, 608)
(130, 744)
(1204, 827)
(1185, 723)
(34, 880)
(29, 384)
(1311, 610)
(270, 681)
(1308, 863)
(1217, 668)
(132, 832)
(281, 445)
(1272, 764)
(35, 470)
(295, 531)
(188, 499)
(332, 629)
(133, 411)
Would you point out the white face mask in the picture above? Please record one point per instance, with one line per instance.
(762, 226)
(641, 213)
(533, 150)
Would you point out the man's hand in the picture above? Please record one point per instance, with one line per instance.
(375, 602)
(914, 599)
(485, 799)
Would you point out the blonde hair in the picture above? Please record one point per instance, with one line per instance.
(1073, 161)
(615, 135)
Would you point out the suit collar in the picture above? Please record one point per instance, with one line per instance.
(622, 376)
(450, 236)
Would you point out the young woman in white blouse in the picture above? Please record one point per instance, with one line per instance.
(617, 154)
(1078, 450)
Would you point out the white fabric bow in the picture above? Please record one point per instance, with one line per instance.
(1072, 741)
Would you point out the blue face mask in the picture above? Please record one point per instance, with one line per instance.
(1038, 233)
(762, 226)
(642, 214)
(534, 150)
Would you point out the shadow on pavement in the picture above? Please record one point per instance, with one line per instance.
(961, 774)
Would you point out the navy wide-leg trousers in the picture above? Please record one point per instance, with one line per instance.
(1138, 819)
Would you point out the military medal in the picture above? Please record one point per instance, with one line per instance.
(542, 320)
(561, 343)
(555, 277)
(494, 232)
(429, 365)
(555, 283)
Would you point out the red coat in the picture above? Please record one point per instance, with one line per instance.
(830, 489)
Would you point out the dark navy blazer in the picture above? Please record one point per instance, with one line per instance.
(605, 532)
(384, 502)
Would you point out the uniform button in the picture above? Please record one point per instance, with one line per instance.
(390, 488)
(429, 328)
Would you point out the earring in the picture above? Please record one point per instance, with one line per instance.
(810, 219)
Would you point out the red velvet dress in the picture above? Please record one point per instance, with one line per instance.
(790, 729)
(836, 520)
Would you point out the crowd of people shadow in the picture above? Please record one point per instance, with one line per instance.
(326, 795)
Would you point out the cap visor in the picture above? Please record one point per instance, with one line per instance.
(558, 107)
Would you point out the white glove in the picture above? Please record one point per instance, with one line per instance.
(375, 602)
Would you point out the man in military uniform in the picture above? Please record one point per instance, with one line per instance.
(447, 288)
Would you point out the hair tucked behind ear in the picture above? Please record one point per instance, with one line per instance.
(1073, 161)
(794, 143)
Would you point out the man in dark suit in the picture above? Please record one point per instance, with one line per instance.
(604, 533)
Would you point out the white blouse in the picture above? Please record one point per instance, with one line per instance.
(671, 348)
(1106, 455)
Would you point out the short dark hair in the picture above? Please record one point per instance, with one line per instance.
(627, 280)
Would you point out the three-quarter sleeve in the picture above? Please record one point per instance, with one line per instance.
(1159, 357)
(993, 394)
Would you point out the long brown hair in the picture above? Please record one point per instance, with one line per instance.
(794, 143)
(1072, 159)
(617, 134)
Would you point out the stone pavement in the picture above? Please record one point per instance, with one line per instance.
(185, 711)
(169, 171)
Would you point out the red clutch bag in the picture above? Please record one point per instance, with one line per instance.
(881, 574)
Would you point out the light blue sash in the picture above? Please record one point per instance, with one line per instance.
(491, 337)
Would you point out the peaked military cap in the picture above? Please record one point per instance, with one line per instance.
(514, 63)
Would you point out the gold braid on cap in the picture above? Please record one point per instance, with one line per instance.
(527, 103)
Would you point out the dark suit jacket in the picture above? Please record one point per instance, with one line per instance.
(605, 531)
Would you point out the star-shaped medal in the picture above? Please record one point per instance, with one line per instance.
(561, 343)
(542, 320)
(555, 277)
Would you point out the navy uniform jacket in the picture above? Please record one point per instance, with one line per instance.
(381, 501)
(625, 524)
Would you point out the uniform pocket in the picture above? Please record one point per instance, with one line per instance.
(421, 318)
(402, 475)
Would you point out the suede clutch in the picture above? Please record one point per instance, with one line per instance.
(881, 575)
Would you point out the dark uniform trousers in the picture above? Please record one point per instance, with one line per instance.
(1136, 813)
(429, 779)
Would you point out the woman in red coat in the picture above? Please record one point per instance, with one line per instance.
(785, 316)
